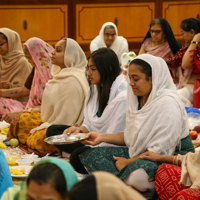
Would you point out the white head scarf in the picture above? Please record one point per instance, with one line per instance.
(119, 46)
(64, 95)
(160, 124)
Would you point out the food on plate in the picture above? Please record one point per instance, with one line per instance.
(2, 145)
(17, 171)
(14, 142)
(197, 129)
(193, 135)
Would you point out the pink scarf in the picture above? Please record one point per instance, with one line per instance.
(40, 52)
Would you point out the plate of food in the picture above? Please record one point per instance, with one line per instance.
(20, 171)
(66, 139)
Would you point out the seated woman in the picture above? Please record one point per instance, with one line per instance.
(185, 65)
(62, 100)
(38, 54)
(5, 176)
(108, 37)
(50, 178)
(160, 40)
(105, 104)
(155, 121)
(175, 182)
(14, 66)
(101, 186)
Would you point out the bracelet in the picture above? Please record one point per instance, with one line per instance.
(81, 130)
(174, 160)
(194, 42)
(104, 137)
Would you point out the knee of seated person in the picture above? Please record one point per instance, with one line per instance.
(139, 180)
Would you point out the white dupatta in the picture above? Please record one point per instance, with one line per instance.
(113, 118)
(160, 124)
(119, 46)
(64, 95)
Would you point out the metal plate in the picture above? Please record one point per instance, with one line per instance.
(66, 139)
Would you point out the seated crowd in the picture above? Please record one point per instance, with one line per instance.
(135, 123)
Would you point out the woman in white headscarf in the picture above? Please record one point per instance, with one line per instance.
(63, 98)
(156, 121)
(108, 37)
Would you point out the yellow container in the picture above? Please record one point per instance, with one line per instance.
(12, 159)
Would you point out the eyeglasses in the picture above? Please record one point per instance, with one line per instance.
(182, 34)
(108, 35)
(156, 31)
(2, 44)
(90, 69)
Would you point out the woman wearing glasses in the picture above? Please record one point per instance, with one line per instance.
(108, 37)
(160, 40)
(186, 63)
(14, 67)
(105, 104)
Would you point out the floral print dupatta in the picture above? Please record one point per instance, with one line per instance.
(40, 52)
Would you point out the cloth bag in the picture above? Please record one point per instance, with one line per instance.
(196, 94)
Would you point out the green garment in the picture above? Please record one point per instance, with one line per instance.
(18, 192)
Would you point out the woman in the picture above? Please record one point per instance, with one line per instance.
(13, 64)
(5, 177)
(62, 101)
(38, 54)
(173, 182)
(50, 178)
(152, 100)
(101, 186)
(185, 65)
(160, 40)
(108, 37)
(105, 103)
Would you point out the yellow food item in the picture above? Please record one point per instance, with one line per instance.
(17, 171)
(4, 131)
(2, 145)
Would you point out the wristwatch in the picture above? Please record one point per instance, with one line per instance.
(195, 42)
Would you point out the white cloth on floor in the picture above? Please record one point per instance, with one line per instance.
(139, 179)
(186, 95)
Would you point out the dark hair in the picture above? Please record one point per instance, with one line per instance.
(49, 173)
(25, 48)
(143, 66)
(169, 35)
(109, 26)
(191, 23)
(84, 190)
(107, 63)
(3, 37)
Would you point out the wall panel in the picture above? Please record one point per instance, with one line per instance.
(132, 19)
(48, 22)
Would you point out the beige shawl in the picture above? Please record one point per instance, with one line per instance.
(14, 67)
(64, 95)
(190, 170)
(110, 187)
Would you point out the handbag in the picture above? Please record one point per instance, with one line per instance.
(196, 94)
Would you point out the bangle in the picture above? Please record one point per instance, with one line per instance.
(174, 160)
(194, 42)
(104, 137)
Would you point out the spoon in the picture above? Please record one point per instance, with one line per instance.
(31, 156)
(46, 155)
